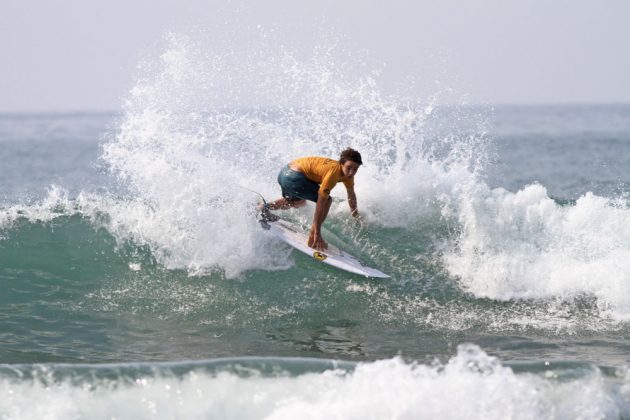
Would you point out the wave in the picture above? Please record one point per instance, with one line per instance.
(524, 245)
(109, 247)
(470, 384)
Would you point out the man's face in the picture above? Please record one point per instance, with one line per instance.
(349, 168)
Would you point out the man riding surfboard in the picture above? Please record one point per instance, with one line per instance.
(313, 178)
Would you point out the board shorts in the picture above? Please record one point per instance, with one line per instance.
(296, 186)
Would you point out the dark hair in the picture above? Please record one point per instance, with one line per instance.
(350, 154)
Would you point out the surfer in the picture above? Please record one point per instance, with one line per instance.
(313, 178)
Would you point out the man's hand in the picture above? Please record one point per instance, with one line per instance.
(316, 241)
(358, 220)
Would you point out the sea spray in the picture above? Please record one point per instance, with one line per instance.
(186, 155)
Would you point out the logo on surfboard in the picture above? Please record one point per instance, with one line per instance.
(319, 256)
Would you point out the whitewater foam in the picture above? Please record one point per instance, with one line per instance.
(472, 385)
(186, 157)
(524, 245)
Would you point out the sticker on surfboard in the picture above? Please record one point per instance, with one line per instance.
(319, 256)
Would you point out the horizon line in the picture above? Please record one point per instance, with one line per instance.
(95, 111)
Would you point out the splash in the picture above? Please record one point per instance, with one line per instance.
(203, 121)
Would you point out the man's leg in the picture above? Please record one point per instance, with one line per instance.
(284, 204)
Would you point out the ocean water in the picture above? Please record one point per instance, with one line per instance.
(137, 283)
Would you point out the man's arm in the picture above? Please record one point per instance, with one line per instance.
(315, 239)
(352, 202)
(318, 217)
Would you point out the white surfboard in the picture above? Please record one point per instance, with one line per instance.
(297, 237)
